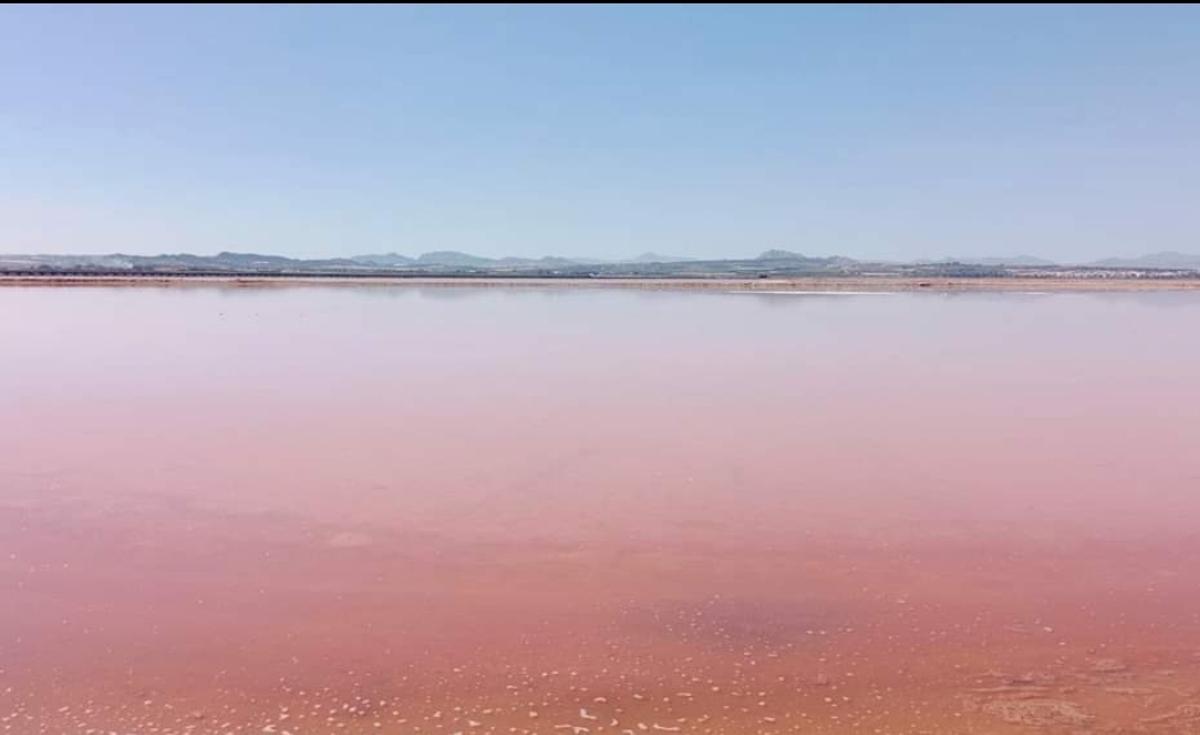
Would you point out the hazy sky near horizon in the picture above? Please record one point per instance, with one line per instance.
(874, 132)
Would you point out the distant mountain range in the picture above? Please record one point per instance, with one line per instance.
(770, 262)
(439, 259)
(458, 259)
(1165, 259)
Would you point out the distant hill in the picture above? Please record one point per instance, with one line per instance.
(452, 258)
(1013, 260)
(777, 254)
(385, 259)
(1166, 259)
(224, 261)
(548, 261)
(777, 257)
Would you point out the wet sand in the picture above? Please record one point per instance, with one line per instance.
(505, 511)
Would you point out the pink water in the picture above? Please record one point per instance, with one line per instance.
(444, 510)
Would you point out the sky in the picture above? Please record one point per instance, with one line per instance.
(874, 132)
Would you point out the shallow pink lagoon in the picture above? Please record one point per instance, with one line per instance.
(469, 510)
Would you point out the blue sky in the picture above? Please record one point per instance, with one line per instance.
(875, 132)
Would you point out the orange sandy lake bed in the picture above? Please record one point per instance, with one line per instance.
(588, 511)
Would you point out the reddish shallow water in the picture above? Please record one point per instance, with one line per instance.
(454, 510)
